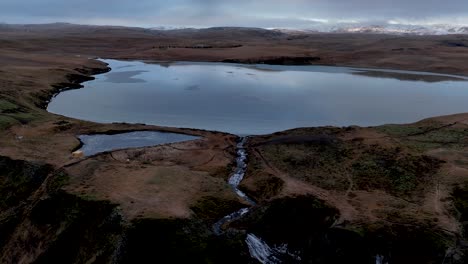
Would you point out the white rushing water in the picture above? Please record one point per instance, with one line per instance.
(265, 254)
(258, 248)
(379, 259)
(217, 227)
(239, 173)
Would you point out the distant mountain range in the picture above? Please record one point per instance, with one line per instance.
(384, 28)
(397, 29)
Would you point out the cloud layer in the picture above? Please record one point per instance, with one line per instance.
(260, 13)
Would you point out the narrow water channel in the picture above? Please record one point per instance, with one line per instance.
(258, 248)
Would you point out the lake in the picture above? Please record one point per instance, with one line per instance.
(260, 99)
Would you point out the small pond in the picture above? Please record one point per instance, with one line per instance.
(98, 143)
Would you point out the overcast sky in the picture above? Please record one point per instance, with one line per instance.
(258, 13)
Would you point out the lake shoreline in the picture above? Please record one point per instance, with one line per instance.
(264, 120)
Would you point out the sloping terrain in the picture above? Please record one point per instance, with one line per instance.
(404, 183)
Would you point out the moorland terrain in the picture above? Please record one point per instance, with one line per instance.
(332, 194)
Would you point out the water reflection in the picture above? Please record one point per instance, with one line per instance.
(260, 99)
(93, 144)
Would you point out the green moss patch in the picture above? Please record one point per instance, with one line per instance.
(400, 174)
(319, 164)
(7, 121)
(10, 119)
(19, 179)
(344, 164)
(425, 138)
(7, 106)
(460, 202)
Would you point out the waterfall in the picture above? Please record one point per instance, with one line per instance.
(258, 248)
(379, 259)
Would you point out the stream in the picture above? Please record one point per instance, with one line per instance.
(258, 248)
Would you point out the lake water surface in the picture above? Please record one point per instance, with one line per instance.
(260, 99)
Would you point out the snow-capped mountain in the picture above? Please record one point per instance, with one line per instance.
(397, 29)
(169, 28)
(405, 29)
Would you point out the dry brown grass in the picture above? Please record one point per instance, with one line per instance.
(34, 60)
(389, 175)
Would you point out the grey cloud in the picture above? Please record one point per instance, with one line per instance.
(262, 13)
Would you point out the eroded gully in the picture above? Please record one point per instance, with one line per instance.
(258, 248)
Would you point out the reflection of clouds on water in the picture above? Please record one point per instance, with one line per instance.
(125, 66)
(124, 77)
(193, 88)
(252, 101)
(93, 144)
(408, 76)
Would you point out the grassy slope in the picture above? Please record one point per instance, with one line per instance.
(395, 183)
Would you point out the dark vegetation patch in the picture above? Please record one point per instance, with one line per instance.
(8, 107)
(211, 209)
(462, 43)
(408, 244)
(73, 230)
(19, 179)
(11, 113)
(307, 226)
(181, 241)
(460, 202)
(83, 229)
(8, 222)
(288, 218)
(334, 165)
(317, 163)
(264, 186)
(400, 174)
(7, 121)
(423, 138)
